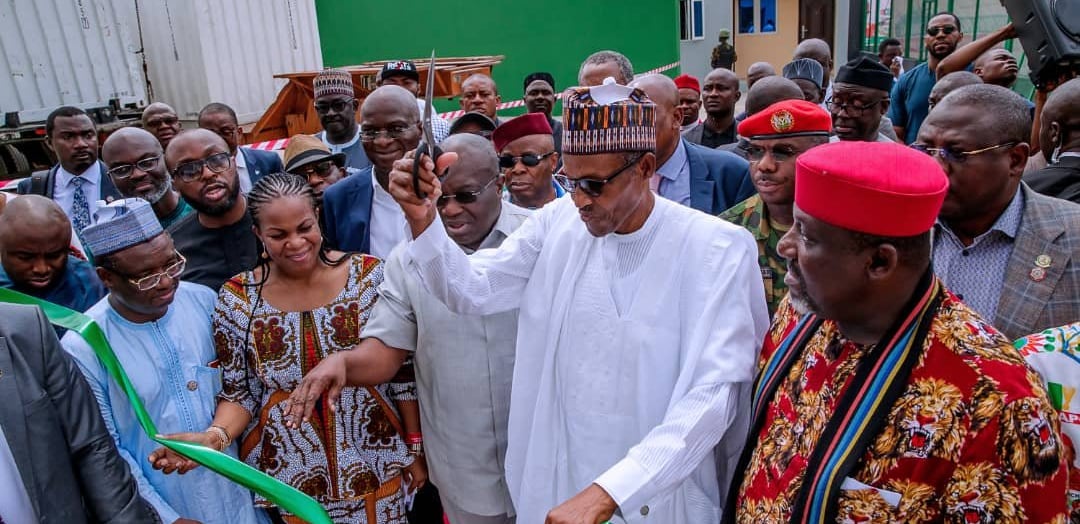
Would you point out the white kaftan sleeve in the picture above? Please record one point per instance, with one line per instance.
(488, 281)
(723, 348)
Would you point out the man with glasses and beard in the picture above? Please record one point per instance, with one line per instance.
(217, 239)
(1010, 253)
(336, 106)
(777, 135)
(911, 93)
(630, 370)
(136, 166)
(159, 328)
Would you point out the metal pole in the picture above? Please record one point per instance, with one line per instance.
(907, 27)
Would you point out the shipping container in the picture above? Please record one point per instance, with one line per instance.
(202, 51)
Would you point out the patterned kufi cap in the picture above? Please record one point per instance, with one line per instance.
(331, 82)
(121, 224)
(609, 118)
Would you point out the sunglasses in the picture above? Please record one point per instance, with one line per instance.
(779, 154)
(464, 197)
(592, 186)
(217, 163)
(529, 159)
(320, 169)
(947, 29)
(145, 165)
(163, 121)
(956, 156)
(337, 106)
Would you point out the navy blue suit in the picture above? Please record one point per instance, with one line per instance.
(346, 213)
(46, 182)
(718, 179)
(261, 163)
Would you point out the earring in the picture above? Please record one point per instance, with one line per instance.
(264, 256)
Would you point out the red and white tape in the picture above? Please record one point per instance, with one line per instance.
(274, 145)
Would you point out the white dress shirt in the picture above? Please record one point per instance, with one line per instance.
(630, 372)
(64, 189)
(15, 506)
(388, 224)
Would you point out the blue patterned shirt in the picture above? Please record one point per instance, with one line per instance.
(976, 273)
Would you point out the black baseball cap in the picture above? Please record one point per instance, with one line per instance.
(399, 68)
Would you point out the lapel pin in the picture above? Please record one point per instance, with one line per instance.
(1043, 261)
(1037, 274)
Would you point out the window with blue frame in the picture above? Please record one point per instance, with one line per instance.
(757, 16)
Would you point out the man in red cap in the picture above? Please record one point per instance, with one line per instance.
(881, 397)
(777, 135)
(689, 100)
(527, 158)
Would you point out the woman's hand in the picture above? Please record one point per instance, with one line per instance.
(415, 475)
(326, 378)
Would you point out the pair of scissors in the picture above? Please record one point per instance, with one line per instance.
(427, 145)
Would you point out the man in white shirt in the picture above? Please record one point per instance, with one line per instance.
(359, 213)
(77, 182)
(632, 372)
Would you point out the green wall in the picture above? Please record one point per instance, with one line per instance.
(551, 35)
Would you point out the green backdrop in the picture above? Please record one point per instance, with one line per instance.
(544, 35)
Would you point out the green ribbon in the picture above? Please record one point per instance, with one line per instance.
(285, 496)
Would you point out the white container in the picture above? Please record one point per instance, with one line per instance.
(228, 51)
(82, 53)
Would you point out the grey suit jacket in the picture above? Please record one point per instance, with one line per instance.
(1034, 300)
(66, 458)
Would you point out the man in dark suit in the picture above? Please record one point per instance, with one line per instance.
(705, 179)
(1011, 254)
(359, 213)
(1059, 137)
(78, 180)
(58, 463)
(251, 164)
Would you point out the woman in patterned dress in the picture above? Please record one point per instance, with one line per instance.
(274, 324)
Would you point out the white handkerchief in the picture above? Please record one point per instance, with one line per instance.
(891, 497)
(610, 92)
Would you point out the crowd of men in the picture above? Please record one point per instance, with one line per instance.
(802, 312)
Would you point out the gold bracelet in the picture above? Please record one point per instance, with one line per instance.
(222, 435)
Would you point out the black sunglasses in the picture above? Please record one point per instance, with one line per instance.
(464, 197)
(189, 171)
(320, 169)
(947, 29)
(530, 160)
(337, 106)
(592, 186)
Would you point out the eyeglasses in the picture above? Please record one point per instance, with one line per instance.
(955, 156)
(530, 160)
(837, 106)
(947, 29)
(464, 197)
(189, 171)
(369, 134)
(779, 154)
(337, 106)
(591, 186)
(149, 282)
(123, 171)
(321, 169)
(163, 121)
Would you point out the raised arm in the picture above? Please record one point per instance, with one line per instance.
(966, 55)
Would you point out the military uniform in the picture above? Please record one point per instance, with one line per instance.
(753, 215)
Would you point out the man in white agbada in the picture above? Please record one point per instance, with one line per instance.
(639, 327)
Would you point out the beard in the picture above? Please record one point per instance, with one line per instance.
(159, 193)
(216, 210)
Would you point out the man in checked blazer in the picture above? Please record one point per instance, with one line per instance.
(58, 463)
(1011, 254)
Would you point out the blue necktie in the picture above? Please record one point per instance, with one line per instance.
(80, 208)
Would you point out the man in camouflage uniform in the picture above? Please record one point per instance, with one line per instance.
(723, 55)
(778, 134)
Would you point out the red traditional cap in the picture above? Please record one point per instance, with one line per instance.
(685, 81)
(524, 125)
(876, 188)
(787, 118)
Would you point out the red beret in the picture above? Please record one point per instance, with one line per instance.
(787, 118)
(524, 125)
(685, 81)
(876, 188)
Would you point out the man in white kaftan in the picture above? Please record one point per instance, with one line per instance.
(638, 333)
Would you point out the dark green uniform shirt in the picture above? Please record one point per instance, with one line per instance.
(754, 216)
